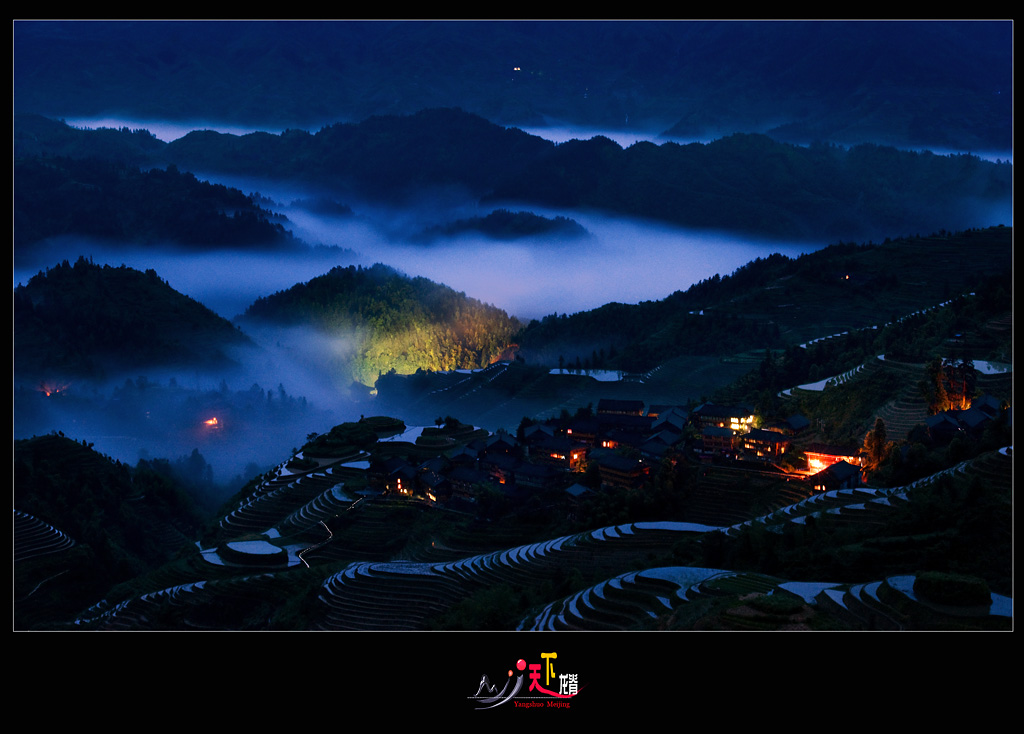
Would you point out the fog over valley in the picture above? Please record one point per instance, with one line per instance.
(623, 260)
(658, 325)
(614, 259)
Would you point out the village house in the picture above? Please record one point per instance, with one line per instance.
(609, 406)
(674, 419)
(584, 430)
(622, 472)
(943, 427)
(717, 440)
(738, 419)
(463, 481)
(840, 475)
(538, 476)
(764, 444)
(559, 451)
(794, 425)
(821, 456)
(577, 493)
(949, 424)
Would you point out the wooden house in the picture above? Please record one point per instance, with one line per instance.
(718, 440)
(821, 456)
(609, 406)
(621, 471)
(538, 476)
(559, 451)
(764, 444)
(584, 430)
(738, 419)
(840, 475)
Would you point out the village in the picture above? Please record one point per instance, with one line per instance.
(618, 445)
(625, 444)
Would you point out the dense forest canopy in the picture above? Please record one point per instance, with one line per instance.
(742, 182)
(396, 323)
(96, 197)
(777, 301)
(90, 320)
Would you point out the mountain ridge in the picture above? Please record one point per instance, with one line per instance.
(801, 78)
(745, 183)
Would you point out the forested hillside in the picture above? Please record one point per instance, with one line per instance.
(778, 301)
(93, 197)
(744, 182)
(501, 224)
(392, 321)
(120, 522)
(93, 321)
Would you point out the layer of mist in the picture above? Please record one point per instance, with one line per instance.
(295, 371)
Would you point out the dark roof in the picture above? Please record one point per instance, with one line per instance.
(619, 463)
(563, 444)
(500, 440)
(584, 425)
(941, 419)
(668, 438)
(840, 471)
(973, 417)
(675, 421)
(759, 434)
(797, 422)
(538, 471)
(988, 404)
(716, 431)
(655, 449)
(537, 431)
(468, 475)
(501, 461)
(432, 479)
(578, 490)
(718, 411)
(610, 405)
(635, 422)
(434, 464)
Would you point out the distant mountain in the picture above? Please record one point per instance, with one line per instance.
(118, 202)
(93, 321)
(385, 321)
(944, 84)
(501, 224)
(777, 302)
(744, 182)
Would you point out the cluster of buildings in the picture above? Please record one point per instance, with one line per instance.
(618, 445)
(971, 422)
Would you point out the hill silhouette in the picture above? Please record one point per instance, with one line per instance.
(743, 182)
(392, 322)
(87, 320)
(940, 84)
(120, 203)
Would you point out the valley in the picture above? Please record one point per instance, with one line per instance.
(391, 327)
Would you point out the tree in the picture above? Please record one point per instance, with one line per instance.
(933, 388)
(875, 445)
(961, 379)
